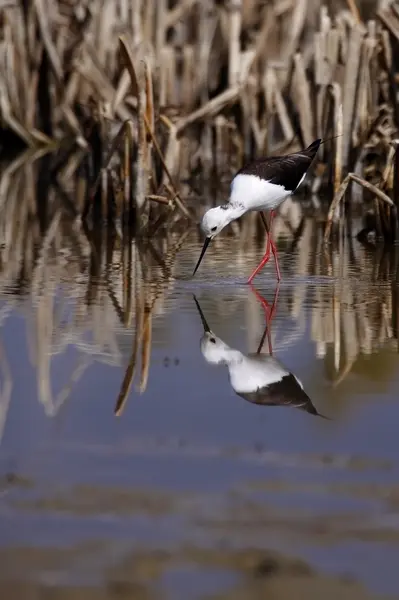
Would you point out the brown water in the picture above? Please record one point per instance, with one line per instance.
(193, 492)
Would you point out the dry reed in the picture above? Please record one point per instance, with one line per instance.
(181, 82)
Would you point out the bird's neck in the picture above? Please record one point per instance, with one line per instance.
(232, 356)
(234, 210)
(229, 356)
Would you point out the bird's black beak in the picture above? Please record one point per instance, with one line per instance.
(201, 314)
(204, 247)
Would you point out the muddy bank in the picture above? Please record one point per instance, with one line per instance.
(146, 575)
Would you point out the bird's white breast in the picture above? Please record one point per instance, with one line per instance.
(252, 374)
(255, 193)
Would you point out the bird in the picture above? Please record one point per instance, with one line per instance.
(261, 185)
(257, 378)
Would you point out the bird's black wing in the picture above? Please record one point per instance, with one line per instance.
(286, 171)
(285, 392)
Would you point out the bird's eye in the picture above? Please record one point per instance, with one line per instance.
(213, 228)
(213, 340)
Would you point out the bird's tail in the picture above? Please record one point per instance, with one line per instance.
(314, 146)
(324, 417)
(313, 411)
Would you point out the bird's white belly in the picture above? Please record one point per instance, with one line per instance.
(255, 193)
(252, 374)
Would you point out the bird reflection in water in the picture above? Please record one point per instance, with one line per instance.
(258, 378)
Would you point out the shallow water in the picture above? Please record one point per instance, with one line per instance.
(187, 490)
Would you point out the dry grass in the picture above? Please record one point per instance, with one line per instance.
(175, 87)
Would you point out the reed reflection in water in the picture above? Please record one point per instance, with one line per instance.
(83, 292)
(100, 290)
(108, 313)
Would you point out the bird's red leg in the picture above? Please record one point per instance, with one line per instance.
(273, 248)
(267, 251)
(262, 216)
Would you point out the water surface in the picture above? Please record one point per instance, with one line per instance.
(190, 489)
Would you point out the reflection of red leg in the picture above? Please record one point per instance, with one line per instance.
(275, 299)
(269, 315)
(270, 245)
(269, 310)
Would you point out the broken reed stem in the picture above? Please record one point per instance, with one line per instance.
(116, 142)
(387, 181)
(209, 109)
(46, 35)
(303, 97)
(372, 188)
(160, 199)
(333, 206)
(127, 166)
(395, 144)
(142, 173)
(235, 9)
(177, 198)
(378, 222)
(340, 194)
(350, 89)
(104, 193)
(389, 165)
(338, 125)
(126, 132)
(127, 56)
(354, 10)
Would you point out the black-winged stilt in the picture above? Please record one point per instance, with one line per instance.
(259, 186)
(257, 378)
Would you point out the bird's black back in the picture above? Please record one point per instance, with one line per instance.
(285, 392)
(286, 171)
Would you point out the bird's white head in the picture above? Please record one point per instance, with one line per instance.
(214, 220)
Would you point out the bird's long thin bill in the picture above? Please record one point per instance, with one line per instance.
(204, 247)
(201, 314)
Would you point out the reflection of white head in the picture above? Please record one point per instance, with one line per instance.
(216, 352)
